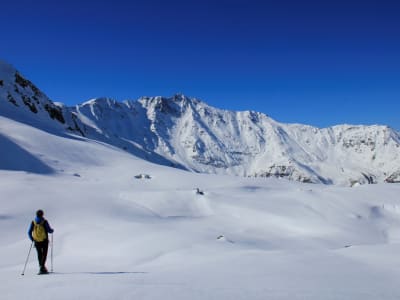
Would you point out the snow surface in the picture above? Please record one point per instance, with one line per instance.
(120, 237)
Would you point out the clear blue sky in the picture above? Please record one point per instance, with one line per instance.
(315, 62)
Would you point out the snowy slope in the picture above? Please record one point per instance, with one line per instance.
(121, 237)
(21, 100)
(189, 134)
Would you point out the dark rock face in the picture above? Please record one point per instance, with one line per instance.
(21, 81)
(55, 113)
(28, 102)
(23, 92)
(371, 179)
(394, 178)
(11, 99)
(283, 171)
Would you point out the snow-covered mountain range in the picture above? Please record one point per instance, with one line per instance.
(189, 134)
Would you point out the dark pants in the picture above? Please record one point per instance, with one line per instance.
(41, 248)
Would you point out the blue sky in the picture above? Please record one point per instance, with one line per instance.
(316, 62)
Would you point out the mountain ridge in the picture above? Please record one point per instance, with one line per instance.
(188, 133)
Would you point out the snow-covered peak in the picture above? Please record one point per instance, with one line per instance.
(188, 133)
(177, 98)
(102, 101)
(176, 105)
(21, 100)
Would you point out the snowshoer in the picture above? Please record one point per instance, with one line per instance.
(38, 233)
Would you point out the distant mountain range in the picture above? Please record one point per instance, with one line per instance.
(187, 133)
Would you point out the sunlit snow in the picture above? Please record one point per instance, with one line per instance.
(120, 237)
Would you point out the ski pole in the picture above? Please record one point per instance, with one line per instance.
(52, 243)
(27, 258)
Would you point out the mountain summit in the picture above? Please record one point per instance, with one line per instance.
(187, 133)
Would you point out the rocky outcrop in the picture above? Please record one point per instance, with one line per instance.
(22, 93)
(394, 177)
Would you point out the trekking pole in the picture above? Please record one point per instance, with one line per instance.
(27, 258)
(52, 243)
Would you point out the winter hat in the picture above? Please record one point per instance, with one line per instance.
(39, 213)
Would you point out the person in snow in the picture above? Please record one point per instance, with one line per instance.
(39, 234)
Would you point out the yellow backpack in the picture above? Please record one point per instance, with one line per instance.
(39, 233)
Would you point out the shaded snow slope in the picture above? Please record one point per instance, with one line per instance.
(15, 158)
(123, 236)
(189, 134)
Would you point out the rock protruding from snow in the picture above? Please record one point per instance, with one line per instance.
(143, 176)
(394, 177)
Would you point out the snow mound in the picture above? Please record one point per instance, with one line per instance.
(168, 204)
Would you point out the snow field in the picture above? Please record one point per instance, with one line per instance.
(118, 237)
